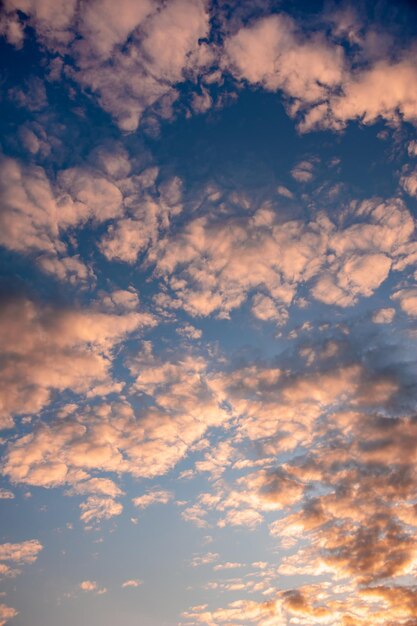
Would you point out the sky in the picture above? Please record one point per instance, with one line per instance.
(208, 313)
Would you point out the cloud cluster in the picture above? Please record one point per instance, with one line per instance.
(48, 348)
(273, 52)
(337, 443)
(120, 53)
(35, 214)
(211, 265)
(18, 553)
(328, 77)
(115, 438)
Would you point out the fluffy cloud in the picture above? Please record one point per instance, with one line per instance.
(409, 183)
(92, 586)
(274, 53)
(161, 496)
(103, 25)
(51, 19)
(46, 349)
(359, 275)
(34, 214)
(18, 553)
(325, 84)
(148, 214)
(146, 69)
(25, 552)
(338, 448)
(6, 613)
(383, 316)
(96, 509)
(408, 300)
(212, 266)
(121, 55)
(365, 95)
(115, 438)
(217, 264)
(303, 172)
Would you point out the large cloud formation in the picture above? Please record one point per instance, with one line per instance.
(121, 55)
(288, 406)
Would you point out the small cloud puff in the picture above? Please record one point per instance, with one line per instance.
(383, 316)
(133, 582)
(92, 586)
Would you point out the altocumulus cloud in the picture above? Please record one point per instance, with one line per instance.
(208, 311)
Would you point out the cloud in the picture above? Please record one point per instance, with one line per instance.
(46, 349)
(217, 264)
(343, 488)
(303, 172)
(383, 316)
(365, 97)
(262, 613)
(161, 496)
(6, 613)
(360, 275)
(97, 486)
(409, 183)
(149, 213)
(146, 69)
(285, 192)
(24, 552)
(96, 509)
(204, 559)
(327, 76)
(51, 19)
(272, 52)
(104, 26)
(189, 331)
(113, 437)
(133, 582)
(211, 266)
(18, 553)
(5, 494)
(92, 586)
(35, 214)
(408, 300)
(265, 309)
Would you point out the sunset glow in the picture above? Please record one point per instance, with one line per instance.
(208, 313)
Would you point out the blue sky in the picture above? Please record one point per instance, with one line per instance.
(208, 308)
